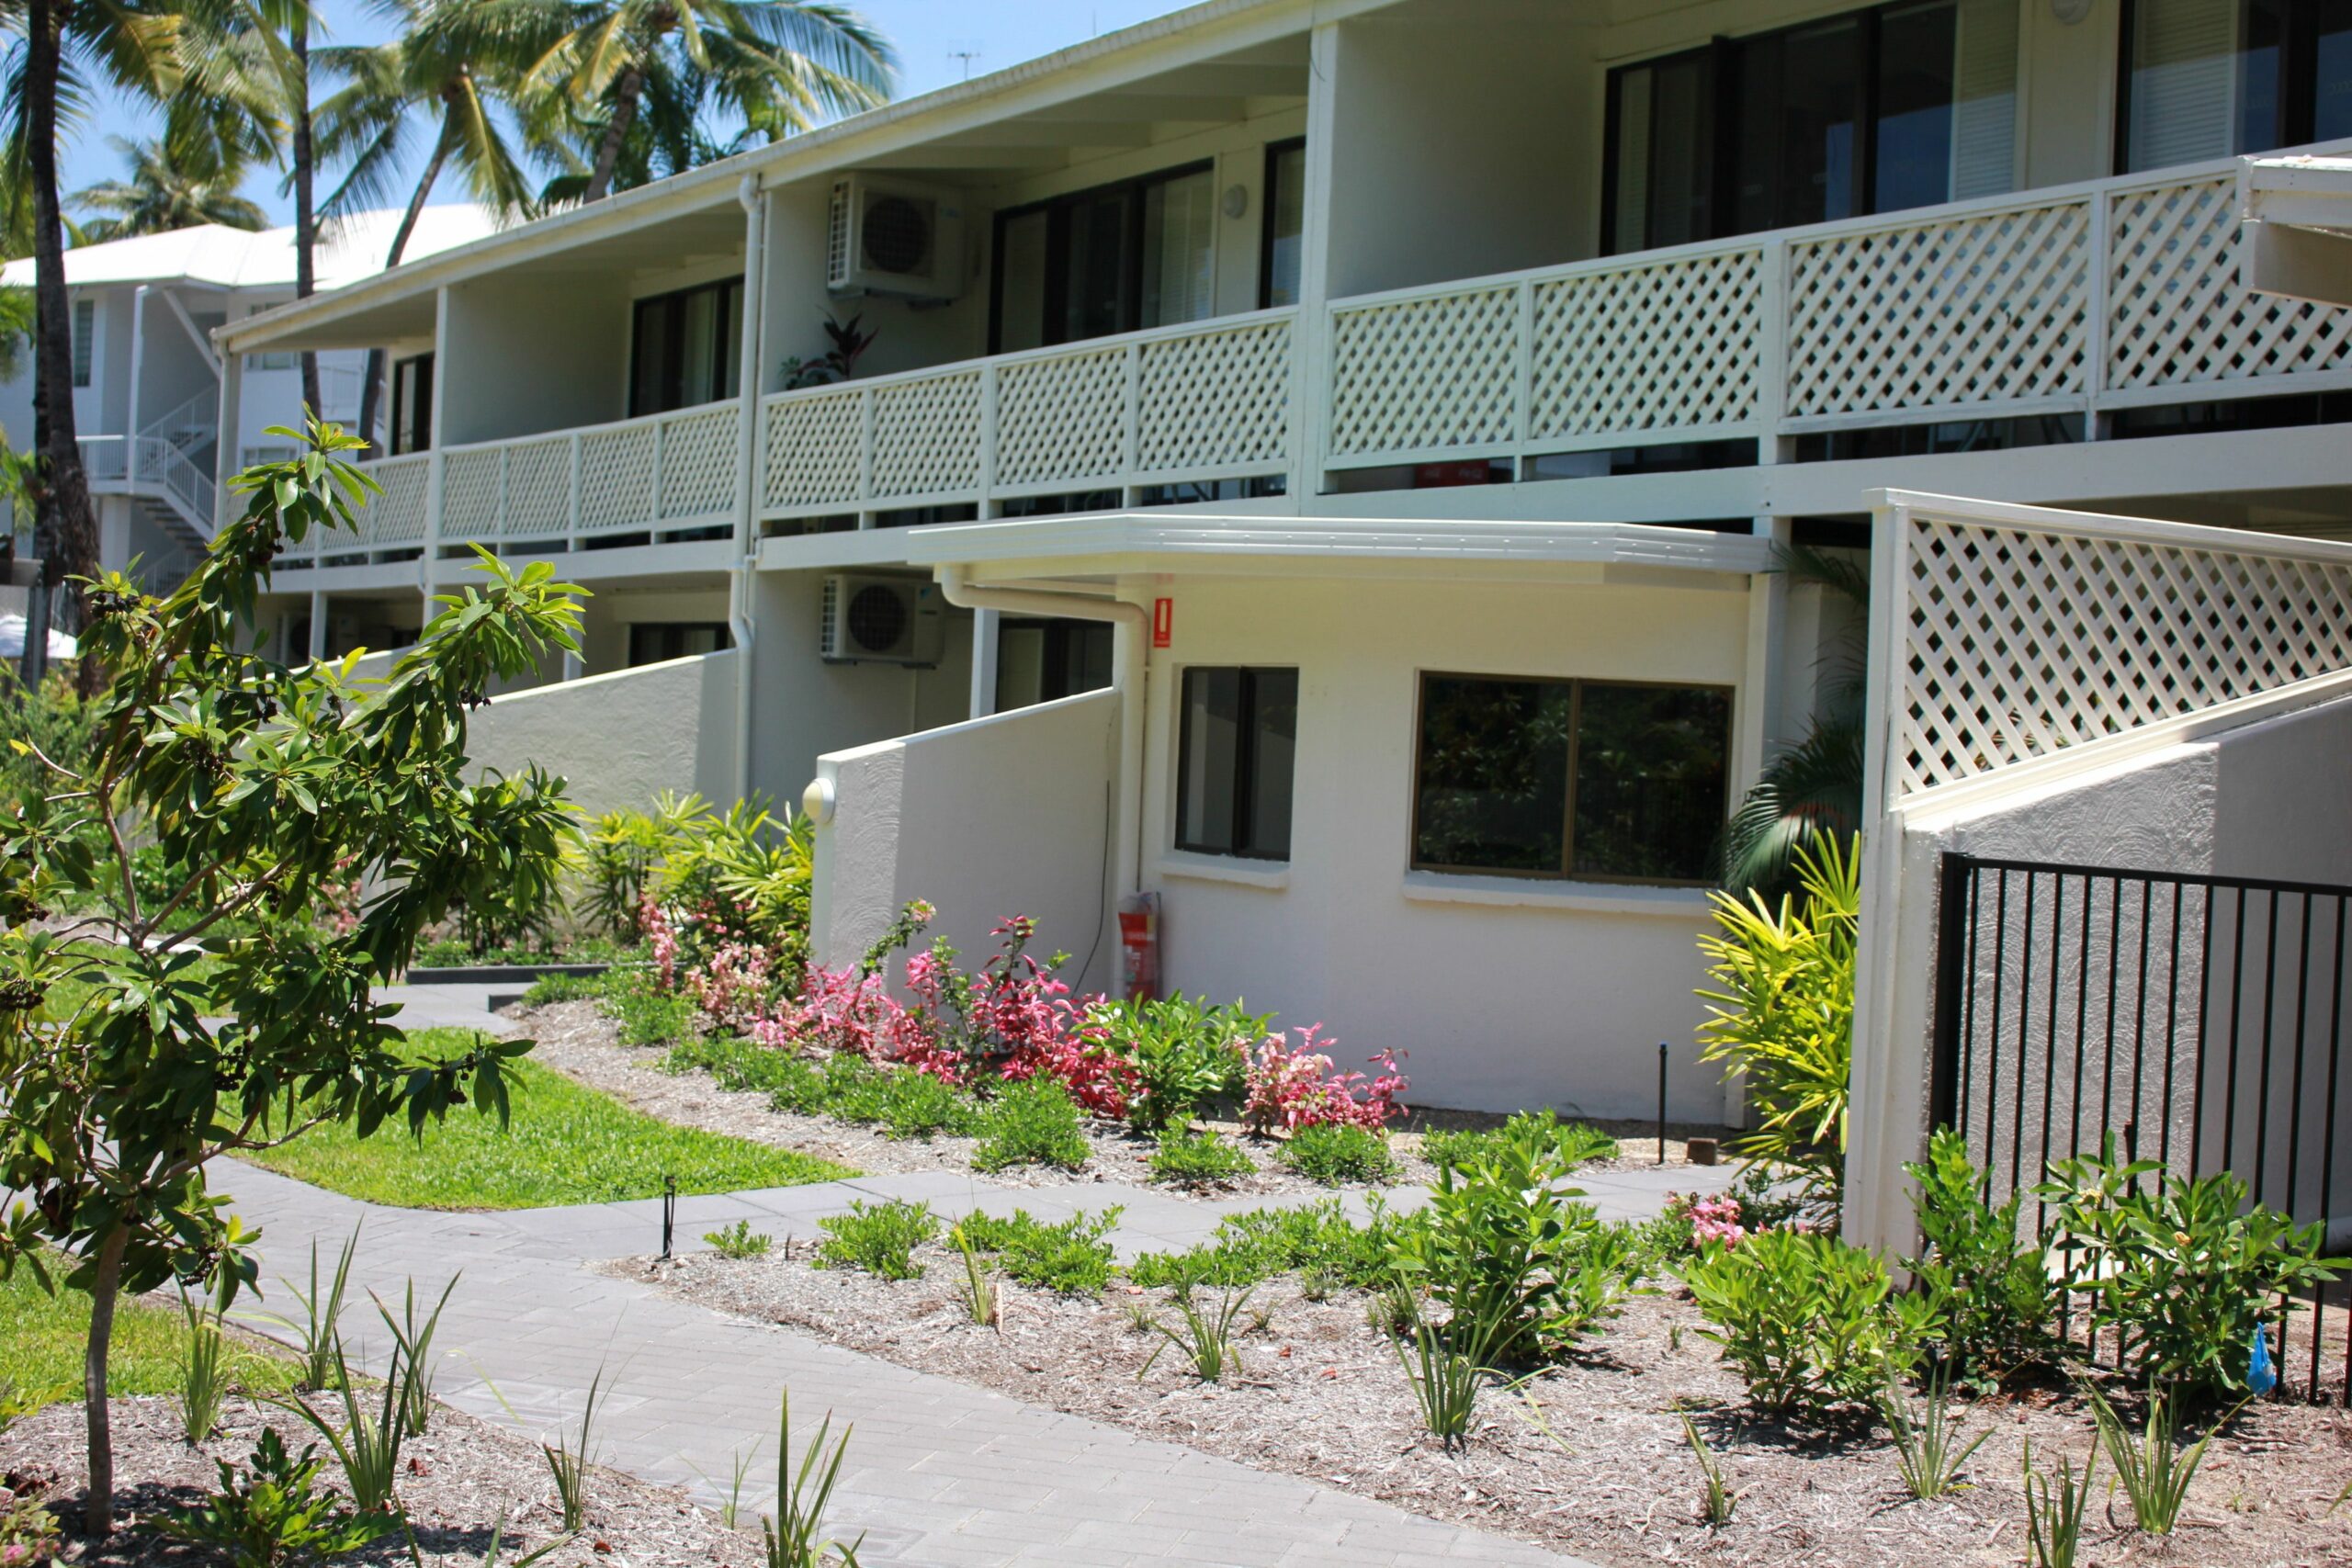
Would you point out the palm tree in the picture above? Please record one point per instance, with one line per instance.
(666, 136)
(170, 182)
(455, 64)
(58, 50)
(1811, 794)
(781, 64)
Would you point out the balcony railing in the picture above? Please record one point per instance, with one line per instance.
(1173, 405)
(2115, 294)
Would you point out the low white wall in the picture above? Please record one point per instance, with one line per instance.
(620, 739)
(995, 817)
(2265, 799)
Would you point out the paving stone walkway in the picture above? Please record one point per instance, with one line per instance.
(940, 1474)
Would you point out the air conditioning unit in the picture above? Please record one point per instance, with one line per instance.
(881, 620)
(894, 237)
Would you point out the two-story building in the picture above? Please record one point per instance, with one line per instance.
(1320, 462)
(147, 398)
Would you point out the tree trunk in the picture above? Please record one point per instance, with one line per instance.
(97, 1520)
(306, 235)
(66, 528)
(371, 380)
(624, 114)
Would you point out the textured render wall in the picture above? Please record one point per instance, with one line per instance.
(994, 816)
(1549, 994)
(2266, 800)
(622, 739)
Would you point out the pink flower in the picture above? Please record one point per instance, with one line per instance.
(1290, 1088)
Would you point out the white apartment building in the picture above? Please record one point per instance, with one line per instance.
(1319, 461)
(147, 377)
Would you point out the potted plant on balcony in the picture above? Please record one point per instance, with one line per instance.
(848, 340)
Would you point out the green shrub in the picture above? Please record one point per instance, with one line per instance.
(1805, 1318)
(735, 1063)
(1182, 1053)
(909, 1104)
(1032, 1122)
(1783, 1014)
(1568, 1144)
(1503, 1242)
(2185, 1271)
(1197, 1159)
(1991, 1298)
(879, 1238)
(1335, 1155)
(647, 1015)
(739, 1241)
(549, 989)
(1263, 1243)
(1071, 1257)
(275, 1512)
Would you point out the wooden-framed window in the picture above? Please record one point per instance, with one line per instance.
(2206, 79)
(1112, 259)
(685, 348)
(1283, 239)
(1238, 740)
(1546, 777)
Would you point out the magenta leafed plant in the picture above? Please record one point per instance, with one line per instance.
(1292, 1087)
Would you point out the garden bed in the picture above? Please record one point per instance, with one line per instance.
(457, 1482)
(1589, 1458)
(581, 1040)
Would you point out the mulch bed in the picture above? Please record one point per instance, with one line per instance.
(460, 1479)
(1588, 1458)
(582, 1041)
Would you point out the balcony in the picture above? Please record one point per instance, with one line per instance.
(2080, 300)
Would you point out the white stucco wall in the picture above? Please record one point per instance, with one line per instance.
(1506, 992)
(990, 818)
(620, 739)
(2263, 800)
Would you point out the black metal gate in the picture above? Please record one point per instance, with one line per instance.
(2199, 1018)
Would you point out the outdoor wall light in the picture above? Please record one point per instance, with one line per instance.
(817, 800)
(1236, 200)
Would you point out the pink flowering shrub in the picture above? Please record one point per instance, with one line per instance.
(1717, 1220)
(732, 988)
(660, 939)
(1293, 1086)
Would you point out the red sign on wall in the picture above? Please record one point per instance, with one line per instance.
(1163, 622)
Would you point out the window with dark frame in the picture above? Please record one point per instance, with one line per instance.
(1115, 258)
(1238, 740)
(411, 404)
(1596, 780)
(2205, 79)
(85, 331)
(685, 347)
(1283, 239)
(657, 642)
(1876, 110)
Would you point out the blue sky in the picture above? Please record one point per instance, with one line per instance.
(932, 37)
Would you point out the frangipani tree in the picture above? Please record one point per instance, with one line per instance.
(126, 1062)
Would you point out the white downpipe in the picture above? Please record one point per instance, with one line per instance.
(741, 584)
(1133, 623)
(138, 368)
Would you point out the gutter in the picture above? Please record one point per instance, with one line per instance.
(956, 586)
(739, 582)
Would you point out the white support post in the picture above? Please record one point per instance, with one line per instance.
(2102, 227)
(224, 445)
(986, 497)
(572, 524)
(1131, 433)
(653, 501)
(317, 649)
(984, 625)
(138, 365)
(1771, 350)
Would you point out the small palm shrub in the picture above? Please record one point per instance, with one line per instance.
(1807, 1319)
(1198, 1159)
(1783, 1012)
(1337, 1155)
(1032, 1122)
(1072, 1256)
(879, 1238)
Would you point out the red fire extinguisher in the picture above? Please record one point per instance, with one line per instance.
(1139, 945)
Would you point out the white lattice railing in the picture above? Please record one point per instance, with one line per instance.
(1174, 405)
(2004, 634)
(2113, 294)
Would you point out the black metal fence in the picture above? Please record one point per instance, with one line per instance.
(2198, 1019)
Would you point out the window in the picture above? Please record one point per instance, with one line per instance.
(411, 404)
(683, 347)
(1899, 105)
(1112, 259)
(652, 642)
(1038, 661)
(86, 337)
(273, 360)
(1286, 209)
(1570, 778)
(2212, 78)
(1238, 736)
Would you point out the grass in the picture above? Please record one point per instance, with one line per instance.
(41, 1338)
(567, 1144)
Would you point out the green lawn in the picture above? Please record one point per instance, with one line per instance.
(41, 1338)
(567, 1144)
